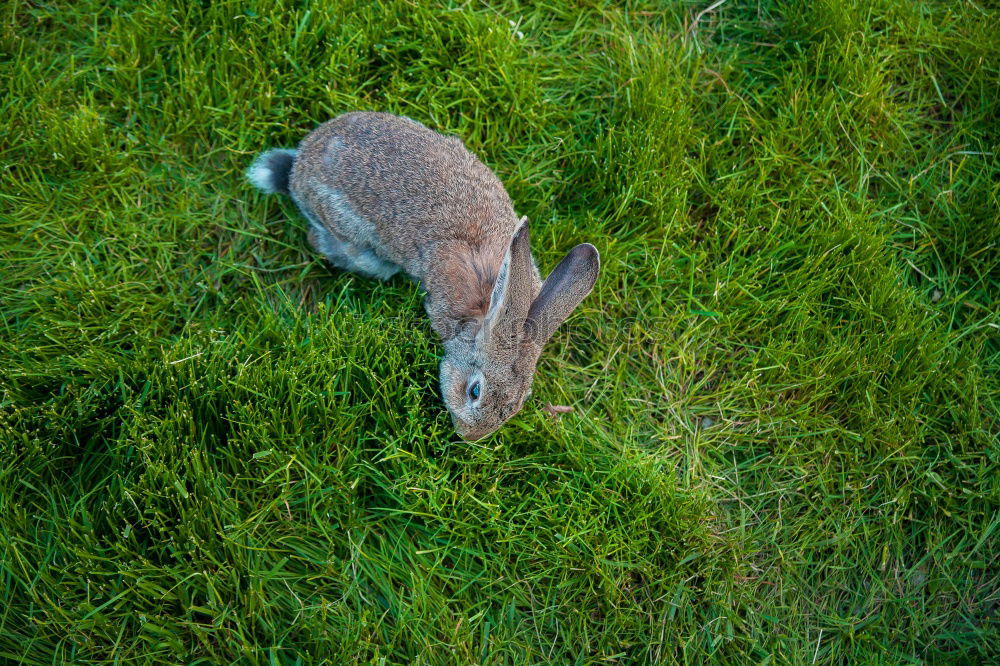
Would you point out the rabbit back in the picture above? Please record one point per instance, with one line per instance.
(389, 186)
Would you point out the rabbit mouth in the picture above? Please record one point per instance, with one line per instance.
(470, 433)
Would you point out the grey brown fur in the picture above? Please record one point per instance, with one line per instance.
(383, 193)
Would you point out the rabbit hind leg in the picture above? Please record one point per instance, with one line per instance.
(342, 254)
(347, 256)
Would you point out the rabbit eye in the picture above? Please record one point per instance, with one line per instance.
(474, 391)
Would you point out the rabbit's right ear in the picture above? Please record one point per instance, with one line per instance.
(562, 291)
(499, 294)
(507, 300)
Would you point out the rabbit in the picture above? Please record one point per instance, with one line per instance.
(383, 194)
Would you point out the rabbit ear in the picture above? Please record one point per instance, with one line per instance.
(562, 291)
(499, 294)
(513, 278)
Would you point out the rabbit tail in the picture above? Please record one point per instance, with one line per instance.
(269, 172)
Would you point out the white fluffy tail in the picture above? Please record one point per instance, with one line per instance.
(269, 172)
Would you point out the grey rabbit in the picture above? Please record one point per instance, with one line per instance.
(383, 193)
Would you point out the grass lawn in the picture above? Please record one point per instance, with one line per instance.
(786, 383)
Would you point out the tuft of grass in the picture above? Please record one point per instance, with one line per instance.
(784, 448)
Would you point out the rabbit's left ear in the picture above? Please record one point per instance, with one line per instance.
(562, 291)
(511, 297)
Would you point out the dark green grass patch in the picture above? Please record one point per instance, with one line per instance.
(784, 442)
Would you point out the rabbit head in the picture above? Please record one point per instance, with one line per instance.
(488, 367)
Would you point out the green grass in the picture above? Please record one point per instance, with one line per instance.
(784, 449)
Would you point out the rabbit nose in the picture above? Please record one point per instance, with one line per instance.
(474, 434)
(468, 432)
